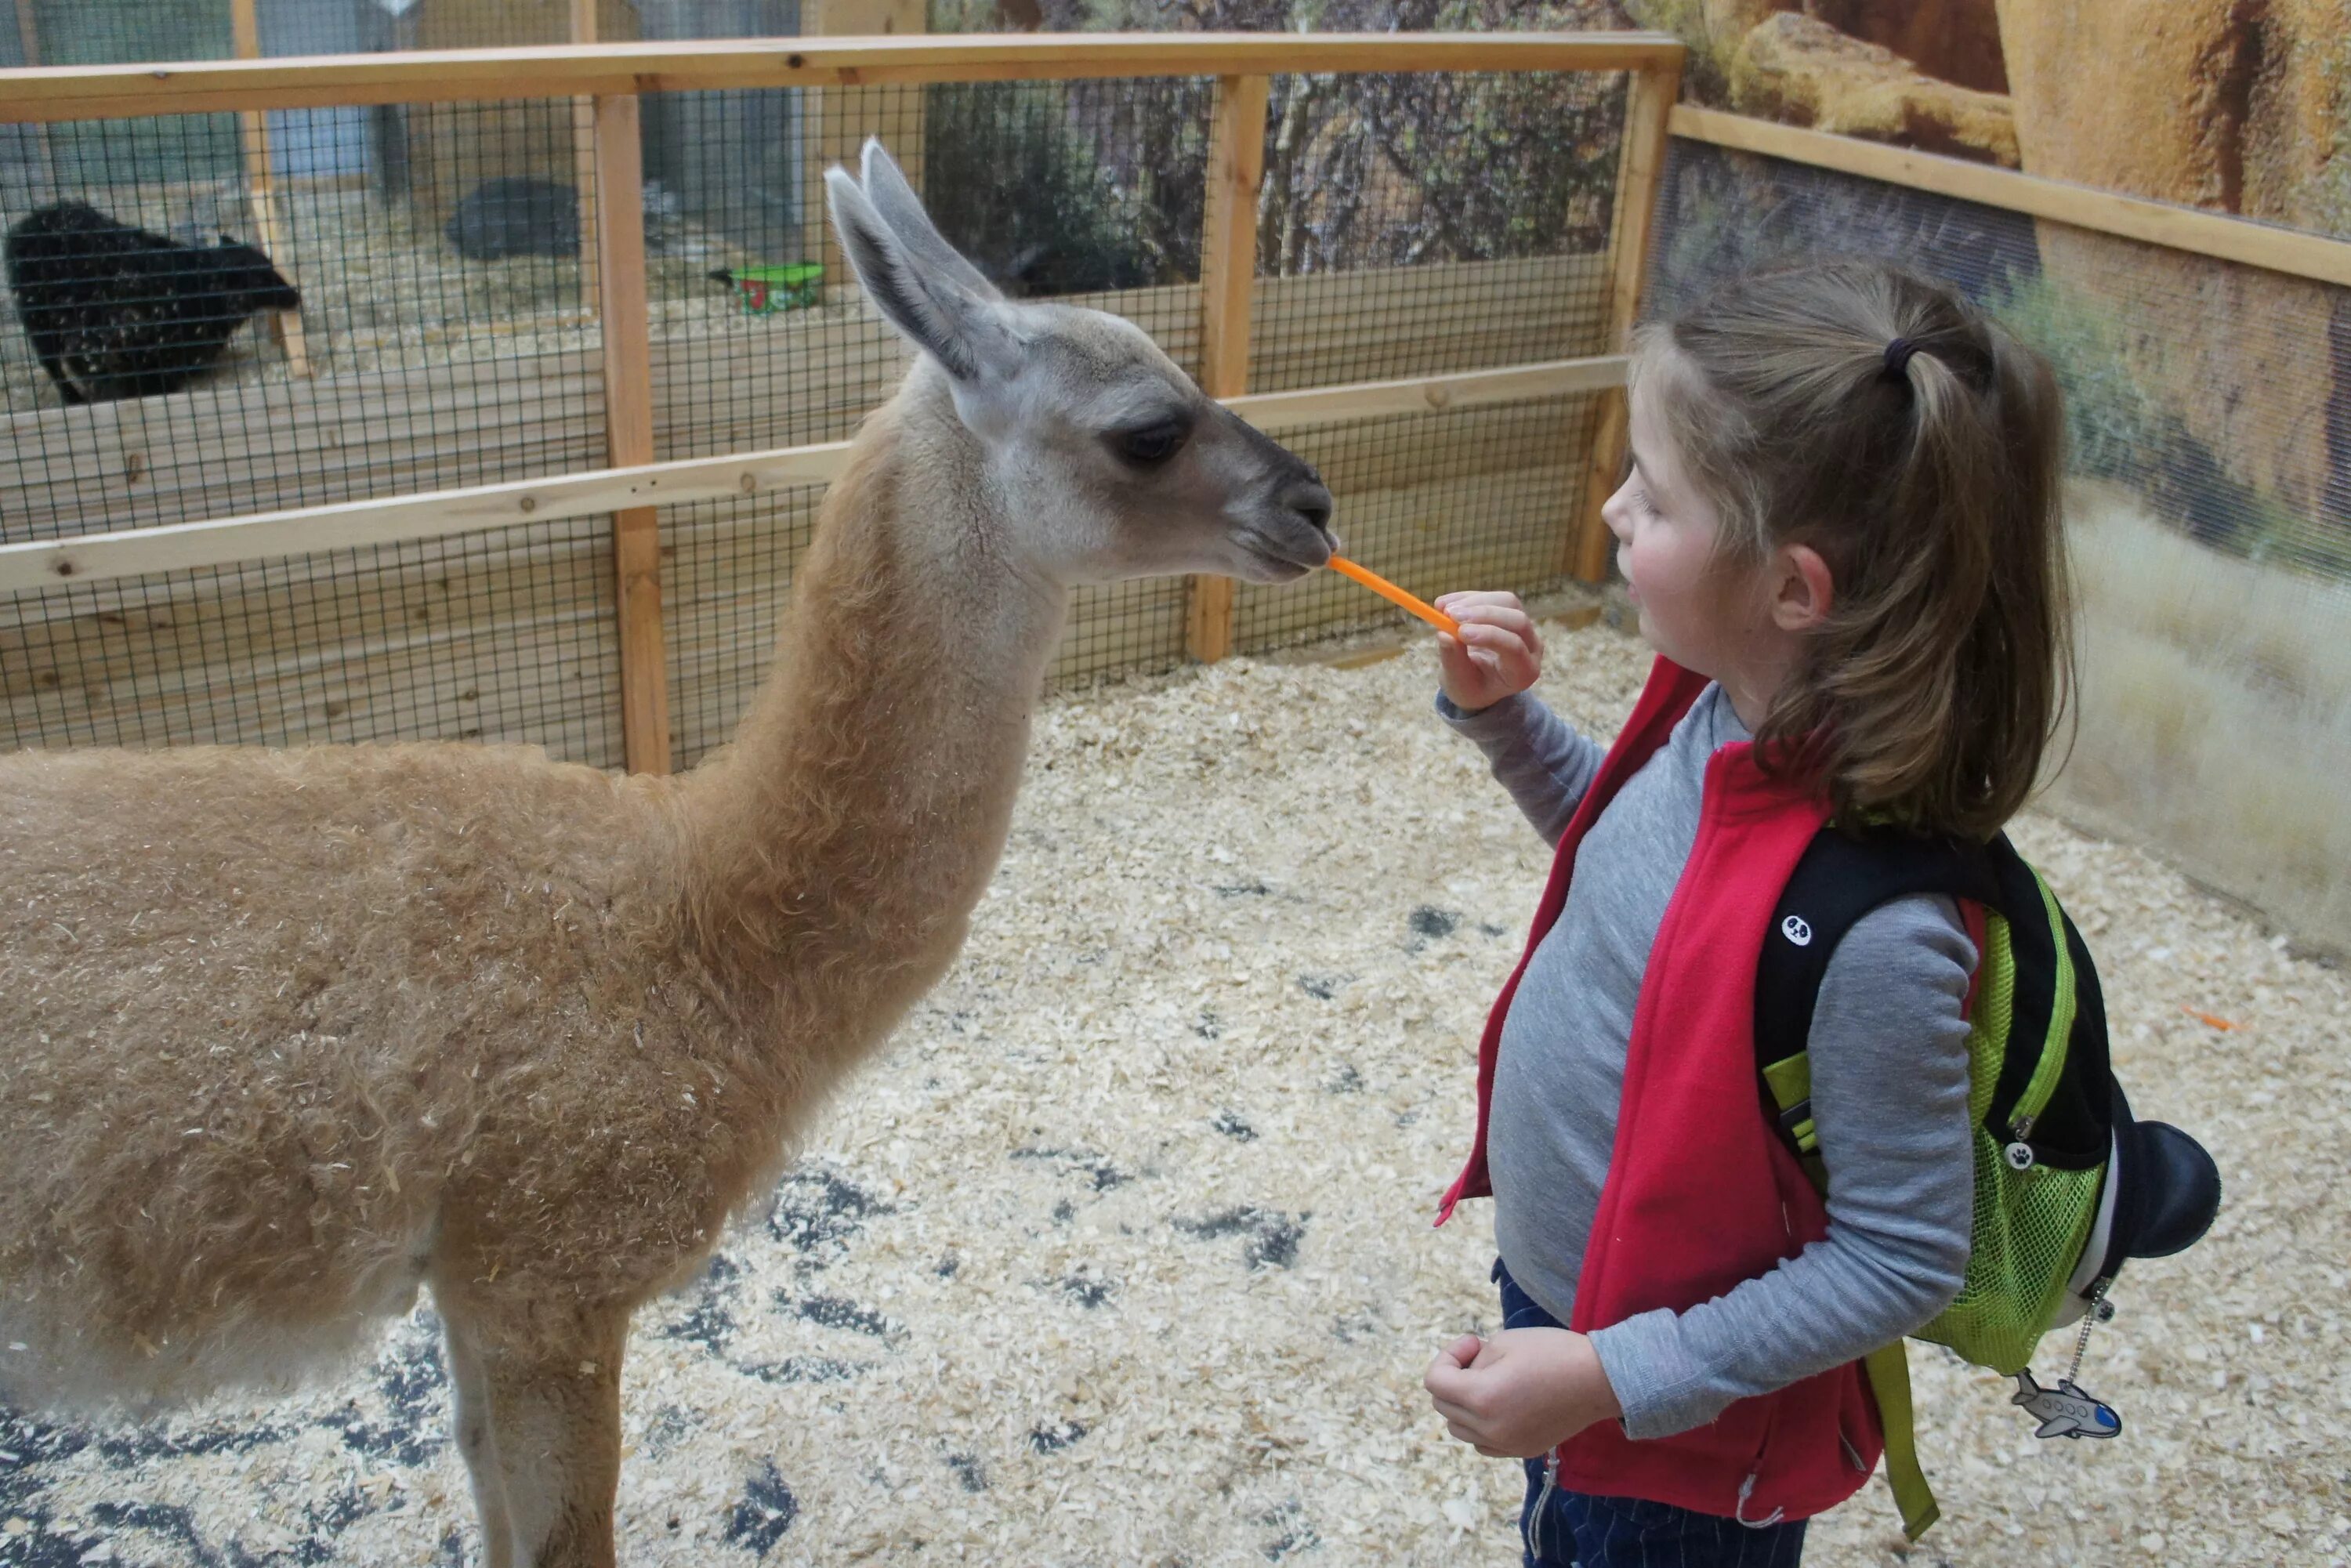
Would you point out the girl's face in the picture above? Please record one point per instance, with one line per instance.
(1699, 608)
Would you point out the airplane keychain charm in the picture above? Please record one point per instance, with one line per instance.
(2068, 1410)
(2064, 1411)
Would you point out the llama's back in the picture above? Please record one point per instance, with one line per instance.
(261, 1007)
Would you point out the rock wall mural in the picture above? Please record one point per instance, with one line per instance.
(2240, 106)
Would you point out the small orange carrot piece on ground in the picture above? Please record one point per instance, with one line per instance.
(2222, 1024)
(1394, 595)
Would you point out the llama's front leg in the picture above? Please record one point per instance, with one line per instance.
(469, 1380)
(555, 1442)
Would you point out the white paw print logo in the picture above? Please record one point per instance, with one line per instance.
(1796, 930)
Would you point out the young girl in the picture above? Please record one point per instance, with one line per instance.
(1841, 531)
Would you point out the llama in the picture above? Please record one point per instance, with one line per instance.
(291, 1033)
(114, 311)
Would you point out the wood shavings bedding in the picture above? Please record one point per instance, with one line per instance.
(1120, 1254)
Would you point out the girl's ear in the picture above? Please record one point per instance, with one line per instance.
(1804, 592)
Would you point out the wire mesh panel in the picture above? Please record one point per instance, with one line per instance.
(1122, 626)
(727, 569)
(506, 635)
(1435, 502)
(79, 33)
(1420, 225)
(1413, 225)
(1088, 193)
(2208, 507)
(446, 338)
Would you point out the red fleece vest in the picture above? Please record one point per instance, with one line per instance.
(1701, 1194)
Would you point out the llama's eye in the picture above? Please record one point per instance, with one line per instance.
(1150, 445)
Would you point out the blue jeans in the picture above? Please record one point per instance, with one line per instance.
(1563, 1529)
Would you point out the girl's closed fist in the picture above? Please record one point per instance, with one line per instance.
(1498, 654)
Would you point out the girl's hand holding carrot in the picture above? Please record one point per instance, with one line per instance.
(1499, 653)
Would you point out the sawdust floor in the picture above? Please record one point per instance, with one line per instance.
(1120, 1254)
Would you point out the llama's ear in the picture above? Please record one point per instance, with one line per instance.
(886, 187)
(962, 331)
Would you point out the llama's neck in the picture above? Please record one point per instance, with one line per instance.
(841, 842)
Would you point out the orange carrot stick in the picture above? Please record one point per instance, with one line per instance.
(1394, 595)
(2204, 1018)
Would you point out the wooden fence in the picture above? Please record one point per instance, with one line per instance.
(1532, 351)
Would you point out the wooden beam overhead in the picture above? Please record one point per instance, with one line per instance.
(2216, 235)
(446, 76)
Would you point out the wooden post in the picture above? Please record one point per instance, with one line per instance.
(583, 150)
(260, 188)
(1648, 101)
(836, 120)
(629, 430)
(29, 40)
(1227, 274)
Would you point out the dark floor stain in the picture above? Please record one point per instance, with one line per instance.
(129, 1448)
(708, 1325)
(1322, 987)
(1487, 928)
(1230, 1125)
(1293, 1531)
(326, 1521)
(816, 1212)
(1046, 1439)
(1254, 887)
(42, 1545)
(766, 1510)
(710, 1321)
(412, 1378)
(803, 1369)
(1064, 1212)
(1344, 1081)
(1432, 922)
(175, 1525)
(670, 1424)
(1087, 1290)
(968, 1470)
(1273, 1236)
(1209, 1027)
(414, 1394)
(948, 1263)
(1104, 1174)
(27, 1449)
(836, 1312)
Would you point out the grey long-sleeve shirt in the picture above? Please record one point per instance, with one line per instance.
(1889, 1064)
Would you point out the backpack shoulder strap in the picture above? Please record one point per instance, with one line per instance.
(1842, 876)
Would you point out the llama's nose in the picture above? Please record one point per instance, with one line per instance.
(1311, 500)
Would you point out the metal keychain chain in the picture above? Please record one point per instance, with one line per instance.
(2101, 1311)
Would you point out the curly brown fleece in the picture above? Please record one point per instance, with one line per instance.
(289, 1033)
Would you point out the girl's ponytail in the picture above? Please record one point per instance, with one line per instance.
(1918, 447)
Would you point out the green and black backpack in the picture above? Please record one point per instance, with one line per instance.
(2068, 1183)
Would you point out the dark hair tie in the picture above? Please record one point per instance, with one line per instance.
(1898, 359)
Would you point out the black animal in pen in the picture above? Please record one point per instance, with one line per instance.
(114, 311)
